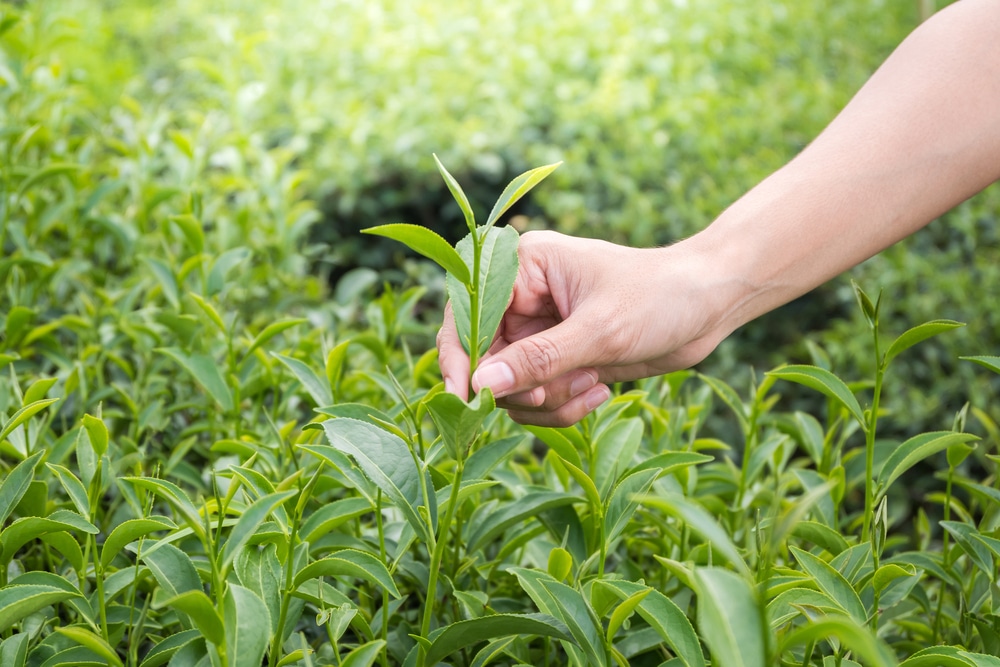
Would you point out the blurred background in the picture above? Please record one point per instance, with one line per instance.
(286, 127)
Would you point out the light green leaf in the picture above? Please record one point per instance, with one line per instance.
(165, 650)
(517, 188)
(16, 483)
(978, 549)
(859, 639)
(614, 449)
(831, 582)
(623, 611)
(331, 515)
(459, 195)
(249, 522)
(20, 600)
(428, 243)
(129, 531)
(729, 618)
(172, 569)
(28, 528)
(210, 311)
(466, 633)
(514, 512)
(72, 485)
(826, 383)
(93, 642)
(23, 415)
(497, 272)
(192, 229)
(364, 655)
(98, 433)
(196, 605)
(352, 563)
(317, 389)
(14, 650)
(272, 330)
(247, 627)
(458, 422)
(918, 334)
(386, 461)
(38, 390)
(664, 616)
(914, 450)
(45, 173)
(624, 501)
(890, 572)
(175, 497)
(701, 522)
(990, 362)
(205, 372)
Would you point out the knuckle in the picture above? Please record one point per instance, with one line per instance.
(541, 358)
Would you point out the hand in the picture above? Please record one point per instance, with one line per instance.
(583, 314)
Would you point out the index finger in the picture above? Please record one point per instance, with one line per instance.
(452, 359)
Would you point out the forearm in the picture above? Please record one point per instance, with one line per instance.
(920, 137)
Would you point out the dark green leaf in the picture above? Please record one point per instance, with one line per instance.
(832, 582)
(729, 618)
(129, 531)
(199, 608)
(351, 563)
(15, 485)
(247, 627)
(249, 522)
(466, 633)
(18, 601)
(514, 512)
(205, 372)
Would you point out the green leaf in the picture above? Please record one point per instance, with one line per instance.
(317, 389)
(96, 644)
(624, 501)
(165, 650)
(517, 188)
(664, 616)
(459, 195)
(489, 456)
(514, 512)
(129, 531)
(914, 450)
(20, 600)
(560, 564)
(249, 522)
(193, 231)
(388, 462)
(701, 522)
(295, 656)
(869, 309)
(831, 582)
(938, 656)
(196, 604)
(14, 650)
(730, 398)
(364, 655)
(205, 372)
(165, 277)
(23, 415)
(558, 443)
(175, 497)
(458, 422)
(272, 330)
(209, 311)
(331, 515)
(223, 264)
(260, 571)
(579, 618)
(28, 528)
(497, 272)
(623, 611)
(821, 535)
(38, 390)
(977, 549)
(15, 485)
(587, 484)
(98, 433)
(729, 618)
(247, 627)
(918, 334)
(72, 485)
(352, 563)
(990, 362)
(428, 243)
(826, 383)
(790, 604)
(890, 572)
(45, 173)
(172, 569)
(614, 449)
(859, 639)
(466, 633)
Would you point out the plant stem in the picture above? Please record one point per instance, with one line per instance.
(866, 534)
(474, 305)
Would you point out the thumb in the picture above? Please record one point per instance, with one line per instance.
(536, 360)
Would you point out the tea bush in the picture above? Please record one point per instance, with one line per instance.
(209, 457)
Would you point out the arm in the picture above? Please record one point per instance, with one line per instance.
(920, 137)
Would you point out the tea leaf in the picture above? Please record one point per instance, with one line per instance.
(529, 505)
(557, 442)
(977, 549)
(831, 582)
(353, 563)
(364, 655)
(193, 231)
(386, 461)
(517, 188)
(428, 243)
(272, 330)
(172, 569)
(45, 173)
(458, 422)
(729, 619)
(623, 611)
(489, 456)
(992, 363)
(700, 522)
(497, 272)
(165, 650)
(466, 633)
(247, 626)
(175, 497)
(205, 372)
(614, 450)
(249, 522)
(25, 529)
(14, 650)
(825, 382)
(15, 485)
(199, 608)
(98, 433)
(624, 501)
(916, 335)
(854, 636)
(311, 382)
(890, 572)
(24, 414)
(129, 531)
(96, 644)
(459, 195)
(20, 600)
(914, 450)
(938, 656)
(328, 517)
(72, 485)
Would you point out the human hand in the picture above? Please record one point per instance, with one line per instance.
(585, 313)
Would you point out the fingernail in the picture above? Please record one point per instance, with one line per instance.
(581, 384)
(498, 377)
(596, 397)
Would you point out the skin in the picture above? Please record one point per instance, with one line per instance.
(920, 137)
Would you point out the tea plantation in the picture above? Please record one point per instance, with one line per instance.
(224, 439)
